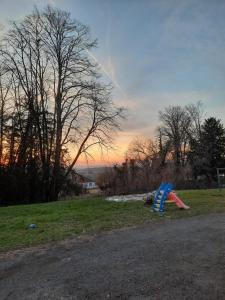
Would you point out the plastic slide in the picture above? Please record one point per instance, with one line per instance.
(173, 197)
(161, 196)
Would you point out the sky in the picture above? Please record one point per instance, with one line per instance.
(155, 52)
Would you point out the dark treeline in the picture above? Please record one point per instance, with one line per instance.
(186, 152)
(53, 108)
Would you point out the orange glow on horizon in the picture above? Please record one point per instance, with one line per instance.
(111, 157)
(103, 158)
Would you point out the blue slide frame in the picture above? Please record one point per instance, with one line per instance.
(161, 196)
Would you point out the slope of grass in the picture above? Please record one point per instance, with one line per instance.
(62, 219)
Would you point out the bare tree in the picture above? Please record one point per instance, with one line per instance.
(83, 112)
(196, 114)
(164, 145)
(4, 97)
(145, 155)
(144, 151)
(175, 127)
(59, 100)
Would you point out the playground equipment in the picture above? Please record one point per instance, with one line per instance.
(161, 196)
(174, 198)
(163, 193)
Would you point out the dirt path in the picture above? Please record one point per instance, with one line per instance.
(178, 259)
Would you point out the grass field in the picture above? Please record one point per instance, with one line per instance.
(63, 219)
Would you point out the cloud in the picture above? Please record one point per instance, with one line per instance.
(143, 117)
(108, 71)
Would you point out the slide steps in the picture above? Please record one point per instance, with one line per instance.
(161, 196)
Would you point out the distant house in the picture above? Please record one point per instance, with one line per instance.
(91, 187)
(88, 185)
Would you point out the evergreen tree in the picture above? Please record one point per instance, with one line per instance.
(208, 153)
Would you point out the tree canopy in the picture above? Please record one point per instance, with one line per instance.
(208, 152)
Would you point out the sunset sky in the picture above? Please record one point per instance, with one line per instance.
(155, 52)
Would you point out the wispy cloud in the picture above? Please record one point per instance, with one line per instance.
(108, 66)
(109, 72)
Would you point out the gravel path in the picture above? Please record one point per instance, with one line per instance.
(174, 259)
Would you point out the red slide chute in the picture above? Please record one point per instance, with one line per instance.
(173, 197)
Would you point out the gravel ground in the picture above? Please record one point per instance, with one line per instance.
(172, 259)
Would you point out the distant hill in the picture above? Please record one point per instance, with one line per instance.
(92, 172)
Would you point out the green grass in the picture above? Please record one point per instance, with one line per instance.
(63, 219)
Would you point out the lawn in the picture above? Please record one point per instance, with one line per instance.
(64, 219)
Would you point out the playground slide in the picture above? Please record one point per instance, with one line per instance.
(172, 196)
